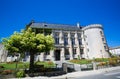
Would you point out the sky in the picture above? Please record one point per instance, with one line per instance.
(15, 14)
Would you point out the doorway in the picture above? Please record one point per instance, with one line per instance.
(57, 55)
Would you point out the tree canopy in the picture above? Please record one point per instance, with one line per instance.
(28, 41)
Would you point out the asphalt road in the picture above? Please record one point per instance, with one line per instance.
(107, 75)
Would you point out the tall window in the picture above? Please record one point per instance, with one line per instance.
(81, 51)
(101, 32)
(73, 38)
(74, 51)
(79, 35)
(80, 41)
(73, 41)
(103, 39)
(66, 39)
(56, 38)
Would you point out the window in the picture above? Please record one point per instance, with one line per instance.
(87, 49)
(81, 51)
(105, 47)
(74, 51)
(101, 32)
(56, 40)
(73, 41)
(79, 35)
(73, 35)
(66, 39)
(84, 39)
(56, 34)
(73, 38)
(103, 39)
(80, 41)
(47, 53)
(86, 43)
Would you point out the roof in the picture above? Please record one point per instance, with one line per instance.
(111, 48)
(54, 26)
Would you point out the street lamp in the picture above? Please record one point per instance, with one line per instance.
(16, 60)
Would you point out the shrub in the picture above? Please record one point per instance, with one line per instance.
(83, 61)
(102, 64)
(113, 61)
(101, 59)
(20, 74)
(5, 72)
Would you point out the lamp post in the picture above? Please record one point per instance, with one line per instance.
(16, 61)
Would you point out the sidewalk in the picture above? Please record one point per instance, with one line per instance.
(76, 74)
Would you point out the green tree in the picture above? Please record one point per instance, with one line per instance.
(28, 41)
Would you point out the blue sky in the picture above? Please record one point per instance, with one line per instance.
(15, 14)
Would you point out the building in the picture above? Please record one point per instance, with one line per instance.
(115, 51)
(3, 53)
(72, 41)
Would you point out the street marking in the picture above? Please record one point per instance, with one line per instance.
(117, 76)
(114, 73)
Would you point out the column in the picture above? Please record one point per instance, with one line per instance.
(77, 44)
(70, 46)
(62, 53)
(52, 55)
(61, 38)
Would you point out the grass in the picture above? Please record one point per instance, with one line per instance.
(103, 60)
(83, 61)
(12, 65)
(21, 65)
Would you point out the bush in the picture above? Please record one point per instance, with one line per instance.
(102, 64)
(5, 72)
(101, 59)
(82, 61)
(20, 74)
(113, 61)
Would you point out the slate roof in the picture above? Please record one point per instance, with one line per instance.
(54, 26)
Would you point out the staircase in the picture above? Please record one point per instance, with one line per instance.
(58, 63)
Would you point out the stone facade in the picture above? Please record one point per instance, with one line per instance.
(73, 42)
(3, 53)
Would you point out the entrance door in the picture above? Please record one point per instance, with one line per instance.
(57, 55)
(67, 55)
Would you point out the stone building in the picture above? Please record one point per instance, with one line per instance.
(72, 41)
(115, 51)
(3, 53)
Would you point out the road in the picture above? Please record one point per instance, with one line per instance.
(107, 75)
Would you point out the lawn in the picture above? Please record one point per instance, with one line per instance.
(21, 65)
(82, 61)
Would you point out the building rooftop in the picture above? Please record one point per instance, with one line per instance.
(55, 26)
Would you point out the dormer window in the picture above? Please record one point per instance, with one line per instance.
(45, 25)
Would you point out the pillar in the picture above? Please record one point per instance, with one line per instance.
(62, 53)
(70, 45)
(52, 55)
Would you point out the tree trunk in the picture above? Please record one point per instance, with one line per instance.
(31, 66)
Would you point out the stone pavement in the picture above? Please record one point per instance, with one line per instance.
(77, 74)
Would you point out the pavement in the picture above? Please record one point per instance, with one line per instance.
(76, 74)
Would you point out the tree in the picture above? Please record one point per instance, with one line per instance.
(28, 41)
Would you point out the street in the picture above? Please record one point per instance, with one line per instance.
(107, 75)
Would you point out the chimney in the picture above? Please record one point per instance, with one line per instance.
(78, 25)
